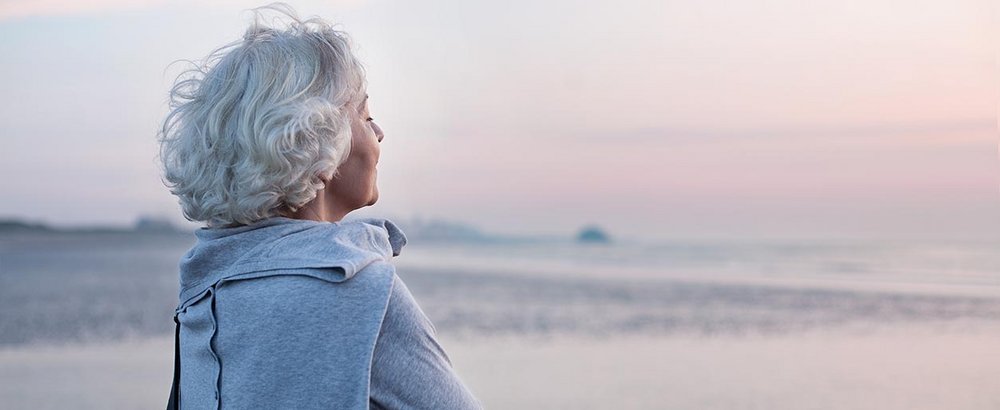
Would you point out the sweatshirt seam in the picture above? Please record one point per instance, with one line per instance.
(272, 264)
(378, 332)
(265, 272)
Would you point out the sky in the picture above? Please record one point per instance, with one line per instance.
(658, 119)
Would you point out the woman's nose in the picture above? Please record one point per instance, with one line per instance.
(378, 132)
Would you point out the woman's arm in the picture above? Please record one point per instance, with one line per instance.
(410, 370)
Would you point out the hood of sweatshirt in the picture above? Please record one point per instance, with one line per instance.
(335, 251)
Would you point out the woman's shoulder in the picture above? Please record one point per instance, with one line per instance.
(403, 315)
(408, 357)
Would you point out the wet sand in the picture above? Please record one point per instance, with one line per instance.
(887, 368)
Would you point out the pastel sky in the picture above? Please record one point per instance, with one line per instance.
(652, 118)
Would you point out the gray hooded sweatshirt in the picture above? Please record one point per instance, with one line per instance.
(293, 314)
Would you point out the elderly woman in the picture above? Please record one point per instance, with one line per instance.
(270, 143)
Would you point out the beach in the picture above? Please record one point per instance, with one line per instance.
(862, 369)
(750, 325)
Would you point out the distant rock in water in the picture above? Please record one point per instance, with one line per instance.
(593, 234)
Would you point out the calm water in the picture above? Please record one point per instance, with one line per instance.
(73, 287)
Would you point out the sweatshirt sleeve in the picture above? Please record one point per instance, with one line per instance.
(410, 370)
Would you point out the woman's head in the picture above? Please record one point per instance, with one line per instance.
(265, 123)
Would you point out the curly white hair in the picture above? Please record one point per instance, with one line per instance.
(256, 127)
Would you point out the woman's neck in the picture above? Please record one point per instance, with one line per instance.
(322, 209)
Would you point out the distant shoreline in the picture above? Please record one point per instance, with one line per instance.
(142, 226)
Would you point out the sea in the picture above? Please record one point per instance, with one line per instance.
(59, 287)
(87, 288)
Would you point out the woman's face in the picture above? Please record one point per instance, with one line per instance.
(355, 185)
